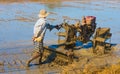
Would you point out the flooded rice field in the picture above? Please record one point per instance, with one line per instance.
(17, 19)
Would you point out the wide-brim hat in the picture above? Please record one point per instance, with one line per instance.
(43, 13)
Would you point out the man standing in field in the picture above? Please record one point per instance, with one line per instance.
(39, 32)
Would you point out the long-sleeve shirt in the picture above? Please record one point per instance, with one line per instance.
(40, 27)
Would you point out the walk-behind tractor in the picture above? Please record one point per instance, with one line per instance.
(84, 31)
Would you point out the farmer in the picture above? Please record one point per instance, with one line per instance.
(39, 32)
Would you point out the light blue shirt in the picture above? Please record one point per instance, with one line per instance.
(40, 27)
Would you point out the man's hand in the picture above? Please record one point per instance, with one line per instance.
(38, 39)
(58, 27)
(33, 38)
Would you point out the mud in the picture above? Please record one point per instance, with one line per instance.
(87, 63)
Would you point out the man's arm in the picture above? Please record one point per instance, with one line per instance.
(51, 27)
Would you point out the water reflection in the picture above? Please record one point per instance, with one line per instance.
(17, 17)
